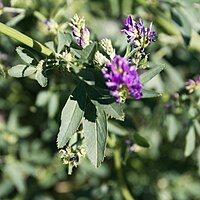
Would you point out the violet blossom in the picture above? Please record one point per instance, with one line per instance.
(122, 79)
(136, 33)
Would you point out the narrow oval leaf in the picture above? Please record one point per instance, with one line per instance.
(53, 105)
(197, 126)
(42, 98)
(140, 140)
(150, 94)
(146, 76)
(190, 141)
(95, 132)
(173, 127)
(40, 76)
(25, 55)
(19, 71)
(71, 116)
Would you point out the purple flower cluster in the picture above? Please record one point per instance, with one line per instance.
(138, 34)
(122, 79)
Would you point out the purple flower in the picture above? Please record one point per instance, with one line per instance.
(83, 39)
(80, 31)
(192, 85)
(122, 79)
(138, 34)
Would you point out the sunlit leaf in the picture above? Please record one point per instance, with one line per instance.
(53, 105)
(72, 114)
(150, 93)
(95, 132)
(63, 39)
(146, 76)
(25, 55)
(173, 128)
(190, 141)
(114, 110)
(19, 71)
(41, 77)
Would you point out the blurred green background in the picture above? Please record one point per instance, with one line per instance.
(30, 166)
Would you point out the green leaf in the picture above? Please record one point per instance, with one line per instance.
(140, 140)
(16, 19)
(63, 39)
(173, 128)
(15, 174)
(117, 129)
(25, 55)
(24, 39)
(40, 76)
(95, 133)
(50, 45)
(19, 71)
(145, 77)
(114, 110)
(42, 98)
(190, 141)
(53, 105)
(198, 160)
(71, 116)
(88, 52)
(181, 18)
(197, 126)
(150, 94)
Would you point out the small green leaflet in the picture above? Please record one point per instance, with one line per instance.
(150, 93)
(114, 110)
(190, 141)
(71, 116)
(63, 39)
(50, 45)
(140, 140)
(173, 127)
(146, 76)
(40, 76)
(53, 105)
(95, 133)
(19, 71)
(25, 55)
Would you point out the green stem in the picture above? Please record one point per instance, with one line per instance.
(24, 39)
(125, 191)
